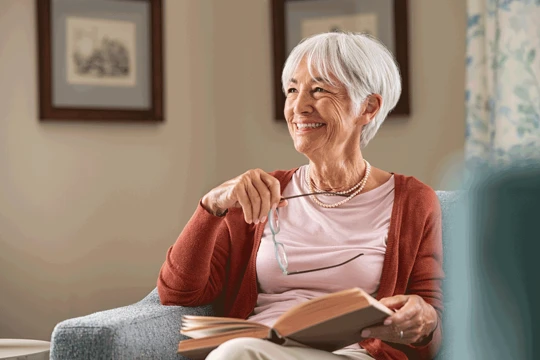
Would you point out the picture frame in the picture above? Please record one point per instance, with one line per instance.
(100, 60)
(293, 19)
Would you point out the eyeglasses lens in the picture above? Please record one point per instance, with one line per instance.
(274, 221)
(282, 257)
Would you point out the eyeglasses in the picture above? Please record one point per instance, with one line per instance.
(279, 248)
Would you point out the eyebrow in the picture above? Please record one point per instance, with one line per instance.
(314, 80)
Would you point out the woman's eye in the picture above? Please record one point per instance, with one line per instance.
(318, 89)
(291, 90)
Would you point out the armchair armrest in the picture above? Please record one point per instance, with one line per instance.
(144, 330)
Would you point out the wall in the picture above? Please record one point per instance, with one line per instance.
(87, 211)
(429, 144)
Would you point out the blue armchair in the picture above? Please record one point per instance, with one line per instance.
(149, 330)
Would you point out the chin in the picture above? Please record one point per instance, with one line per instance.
(302, 147)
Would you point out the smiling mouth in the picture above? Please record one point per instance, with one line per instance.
(308, 126)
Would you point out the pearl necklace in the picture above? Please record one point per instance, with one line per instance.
(359, 187)
(312, 187)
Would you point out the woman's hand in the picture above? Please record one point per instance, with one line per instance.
(255, 191)
(415, 317)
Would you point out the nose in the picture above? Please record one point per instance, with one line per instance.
(303, 104)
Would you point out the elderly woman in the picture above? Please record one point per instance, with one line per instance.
(339, 88)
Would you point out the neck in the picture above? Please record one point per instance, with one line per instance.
(337, 175)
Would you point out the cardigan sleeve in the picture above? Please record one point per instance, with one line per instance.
(427, 273)
(194, 269)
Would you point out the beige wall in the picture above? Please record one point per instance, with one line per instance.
(87, 211)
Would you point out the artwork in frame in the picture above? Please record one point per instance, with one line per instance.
(100, 60)
(293, 20)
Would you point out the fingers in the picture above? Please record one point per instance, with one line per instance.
(392, 334)
(242, 197)
(413, 318)
(408, 307)
(257, 192)
(264, 201)
(395, 302)
(274, 187)
(386, 333)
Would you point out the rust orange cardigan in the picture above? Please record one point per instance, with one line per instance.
(213, 261)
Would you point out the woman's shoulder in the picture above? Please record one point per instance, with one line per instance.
(415, 192)
(412, 183)
(409, 184)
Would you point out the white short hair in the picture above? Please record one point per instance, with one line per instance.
(359, 62)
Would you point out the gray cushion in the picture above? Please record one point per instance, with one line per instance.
(145, 330)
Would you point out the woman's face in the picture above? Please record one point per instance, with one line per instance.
(319, 116)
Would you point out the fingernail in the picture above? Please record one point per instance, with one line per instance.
(256, 221)
(263, 219)
(365, 333)
(387, 322)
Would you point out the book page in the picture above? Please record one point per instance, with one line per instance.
(195, 319)
(204, 331)
(204, 326)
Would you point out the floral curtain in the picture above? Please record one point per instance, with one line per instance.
(503, 81)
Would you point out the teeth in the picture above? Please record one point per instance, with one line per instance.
(312, 126)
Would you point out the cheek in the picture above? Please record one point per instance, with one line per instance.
(288, 109)
(334, 113)
(331, 111)
(289, 115)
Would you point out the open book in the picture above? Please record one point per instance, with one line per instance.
(329, 322)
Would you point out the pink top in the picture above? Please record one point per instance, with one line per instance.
(316, 237)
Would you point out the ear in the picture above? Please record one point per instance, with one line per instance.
(371, 107)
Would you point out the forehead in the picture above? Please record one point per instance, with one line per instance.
(310, 74)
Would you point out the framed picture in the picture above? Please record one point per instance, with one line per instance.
(294, 20)
(100, 60)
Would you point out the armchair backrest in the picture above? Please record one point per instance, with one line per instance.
(449, 201)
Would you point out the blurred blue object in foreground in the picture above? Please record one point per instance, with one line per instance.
(494, 262)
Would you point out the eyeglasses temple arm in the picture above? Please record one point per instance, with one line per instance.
(323, 268)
